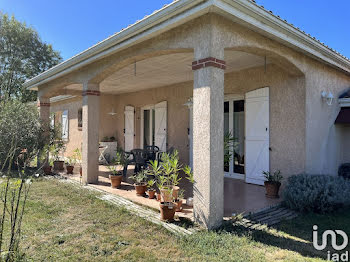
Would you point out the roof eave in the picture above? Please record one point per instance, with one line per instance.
(181, 11)
(149, 26)
(261, 19)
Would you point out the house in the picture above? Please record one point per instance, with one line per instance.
(184, 75)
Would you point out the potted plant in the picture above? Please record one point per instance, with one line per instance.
(166, 174)
(272, 183)
(57, 149)
(116, 175)
(71, 161)
(151, 190)
(178, 201)
(78, 157)
(47, 168)
(140, 182)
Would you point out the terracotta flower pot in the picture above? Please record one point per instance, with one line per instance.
(58, 165)
(116, 180)
(167, 211)
(151, 194)
(166, 195)
(70, 169)
(159, 197)
(178, 205)
(47, 170)
(175, 191)
(272, 189)
(140, 189)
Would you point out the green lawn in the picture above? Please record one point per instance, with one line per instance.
(65, 223)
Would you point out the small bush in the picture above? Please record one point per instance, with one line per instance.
(344, 170)
(317, 193)
(19, 129)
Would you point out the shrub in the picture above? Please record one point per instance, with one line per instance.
(317, 193)
(19, 130)
(344, 170)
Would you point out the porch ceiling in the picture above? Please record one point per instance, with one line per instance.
(166, 70)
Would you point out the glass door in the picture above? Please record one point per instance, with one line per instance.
(148, 127)
(234, 122)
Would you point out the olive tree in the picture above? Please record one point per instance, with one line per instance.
(20, 131)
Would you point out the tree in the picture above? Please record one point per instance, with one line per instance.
(23, 55)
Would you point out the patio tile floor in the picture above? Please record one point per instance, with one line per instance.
(239, 197)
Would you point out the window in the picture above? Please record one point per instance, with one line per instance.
(148, 127)
(80, 119)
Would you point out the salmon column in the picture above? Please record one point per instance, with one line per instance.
(208, 130)
(91, 123)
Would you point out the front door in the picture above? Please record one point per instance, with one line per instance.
(257, 135)
(154, 126)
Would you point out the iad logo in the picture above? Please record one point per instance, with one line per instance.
(333, 237)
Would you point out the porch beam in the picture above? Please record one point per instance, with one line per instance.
(91, 123)
(208, 129)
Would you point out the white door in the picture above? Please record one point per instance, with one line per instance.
(129, 128)
(161, 125)
(257, 135)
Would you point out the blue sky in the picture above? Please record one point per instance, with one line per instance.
(72, 26)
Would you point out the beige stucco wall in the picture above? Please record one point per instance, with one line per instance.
(75, 135)
(286, 114)
(324, 140)
(303, 137)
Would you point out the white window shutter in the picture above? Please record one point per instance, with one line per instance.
(257, 135)
(52, 120)
(161, 125)
(129, 128)
(65, 125)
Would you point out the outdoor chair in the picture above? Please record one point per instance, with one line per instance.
(102, 159)
(152, 152)
(137, 157)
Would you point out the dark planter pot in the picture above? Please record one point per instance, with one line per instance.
(167, 211)
(58, 165)
(47, 170)
(116, 180)
(81, 171)
(140, 189)
(178, 205)
(272, 189)
(70, 169)
(151, 194)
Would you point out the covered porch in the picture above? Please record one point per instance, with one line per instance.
(184, 90)
(239, 197)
